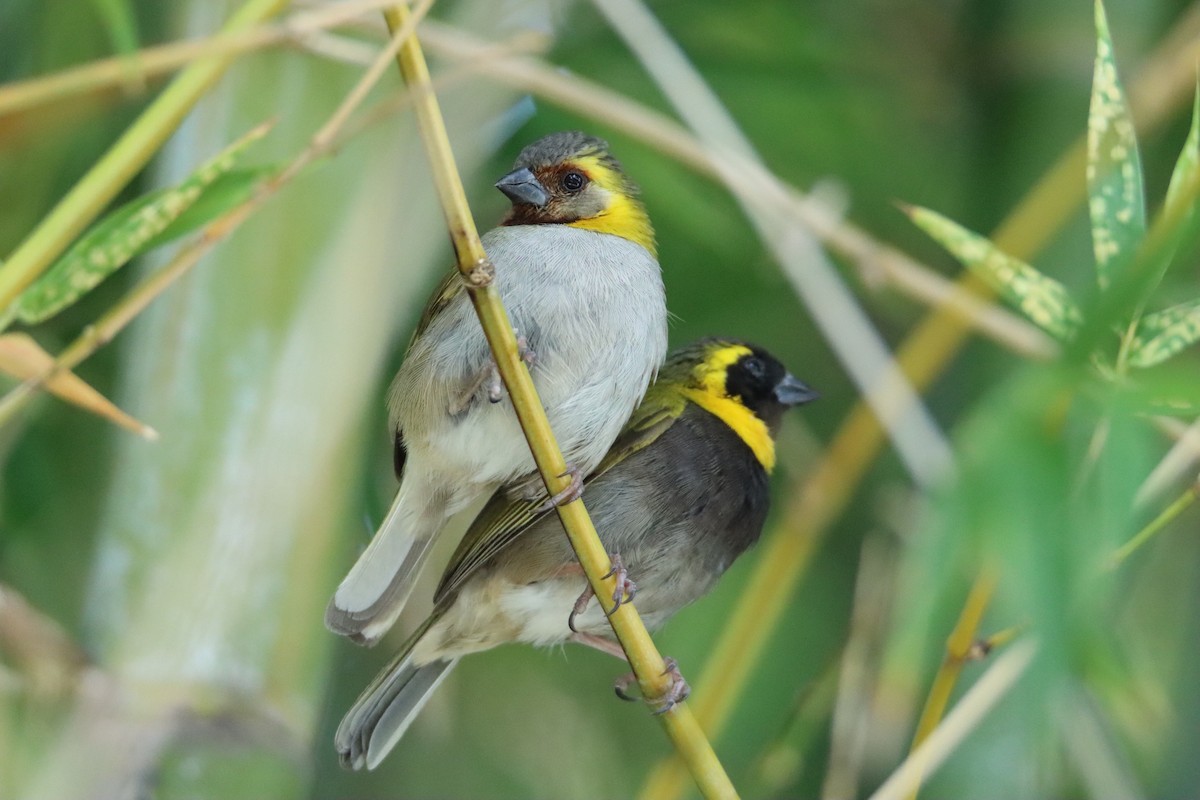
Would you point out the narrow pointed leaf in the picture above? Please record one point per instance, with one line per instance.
(1173, 390)
(1180, 202)
(124, 234)
(22, 358)
(229, 190)
(1116, 197)
(121, 23)
(1165, 333)
(1041, 298)
(1189, 158)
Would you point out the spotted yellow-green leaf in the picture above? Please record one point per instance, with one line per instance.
(126, 233)
(230, 190)
(23, 358)
(1044, 300)
(1164, 333)
(1116, 197)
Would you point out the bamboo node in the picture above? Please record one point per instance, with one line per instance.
(979, 650)
(480, 274)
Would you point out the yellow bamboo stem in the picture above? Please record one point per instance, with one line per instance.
(963, 646)
(982, 648)
(966, 716)
(960, 647)
(478, 273)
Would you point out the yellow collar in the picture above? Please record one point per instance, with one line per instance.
(741, 420)
(624, 216)
(709, 393)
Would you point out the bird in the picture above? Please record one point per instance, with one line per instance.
(683, 491)
(576, 267)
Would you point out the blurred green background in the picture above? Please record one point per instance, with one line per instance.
(194, 571)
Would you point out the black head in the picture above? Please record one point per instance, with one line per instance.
(730, 368)
(764, 385)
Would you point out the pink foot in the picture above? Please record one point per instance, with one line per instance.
(570, 494)
(676, 692)
(623, 593)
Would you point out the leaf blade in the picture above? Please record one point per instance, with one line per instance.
(1116, 195)
(1039, 297)
(121, 235)
(1165, 333)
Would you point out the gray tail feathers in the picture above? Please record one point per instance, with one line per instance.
(372, 595)
(383, 712)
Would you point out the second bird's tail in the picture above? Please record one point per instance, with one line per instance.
(383, 712)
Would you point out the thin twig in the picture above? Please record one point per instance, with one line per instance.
(959, 723)
(477, 271)
(23, 358)
(1182, 456)
(878, 262)
(1155, 525)
(963, 646)
(960, 648)
(137, 69)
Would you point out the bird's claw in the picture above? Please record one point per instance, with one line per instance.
(495, 386)
(676, 692)
(581, 604)
(570, 494)
(625, 589)
(622, 593)
(527, 353)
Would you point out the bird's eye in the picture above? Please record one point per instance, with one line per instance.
(573, 181)
(754, 367)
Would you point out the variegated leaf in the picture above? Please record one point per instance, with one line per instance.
(126, 233)
(1044, 300)
(1116, 197)
(1164, 333)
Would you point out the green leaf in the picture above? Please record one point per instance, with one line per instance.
(119, 19)
(1189, 157)
(229, 190)
(1041, 298)
(1116, 197)
(1172, 390)
(1164, 333)
(1180, 203)
(130, 231)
